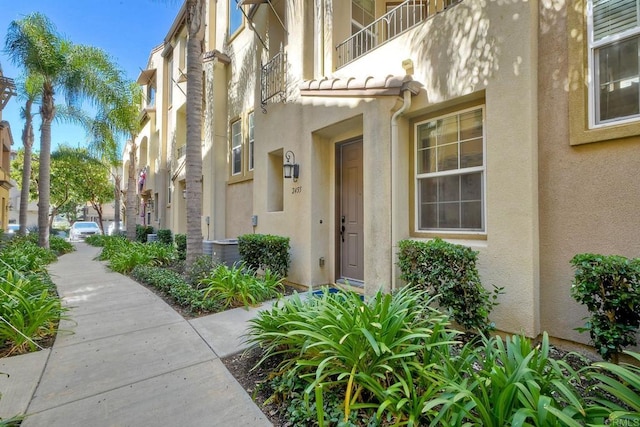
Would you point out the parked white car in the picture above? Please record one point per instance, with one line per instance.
(82, 229)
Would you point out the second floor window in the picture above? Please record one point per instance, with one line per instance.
(614, 52)
(235, 17)
(236, 147)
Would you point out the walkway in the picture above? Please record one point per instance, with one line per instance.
(127, 358)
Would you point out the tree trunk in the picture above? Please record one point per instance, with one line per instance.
(98, 208)
(196, 13)
(131, 192)
(117, 179)
(27, 142)
(47, 112)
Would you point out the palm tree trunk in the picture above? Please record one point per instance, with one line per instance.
(117, 193)
(27, 142)
(131, 193)
(47, 111)
(193, 166)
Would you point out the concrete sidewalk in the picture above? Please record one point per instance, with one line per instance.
(126, 358)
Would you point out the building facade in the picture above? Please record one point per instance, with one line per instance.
(469, 120)
(7, 90)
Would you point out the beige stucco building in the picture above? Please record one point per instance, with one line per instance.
(476, 121)
(7, 90)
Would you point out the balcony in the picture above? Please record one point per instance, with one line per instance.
(398, 20)
(274, 80)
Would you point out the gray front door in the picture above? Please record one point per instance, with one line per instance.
(350, 212)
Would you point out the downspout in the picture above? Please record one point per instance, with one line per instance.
(406, 104)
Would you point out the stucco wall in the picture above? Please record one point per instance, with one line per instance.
(588, 193)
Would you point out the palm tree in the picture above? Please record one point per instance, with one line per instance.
(30, 90)
(196, 14)
(123, 119)
(79, 72)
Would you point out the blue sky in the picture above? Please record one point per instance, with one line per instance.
(126, 29)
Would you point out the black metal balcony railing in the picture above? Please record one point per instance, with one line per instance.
(403, 17)
(274, 80)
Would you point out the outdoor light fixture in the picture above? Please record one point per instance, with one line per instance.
(291, 168)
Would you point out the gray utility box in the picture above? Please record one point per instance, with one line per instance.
(223, 251)
(152, 238)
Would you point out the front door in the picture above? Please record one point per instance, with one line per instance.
(350, 212)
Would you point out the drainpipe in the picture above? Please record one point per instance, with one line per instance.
(406, 104)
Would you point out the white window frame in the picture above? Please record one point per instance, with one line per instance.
(236, 145)
(251, 139)
(452, 172)
(594, 78)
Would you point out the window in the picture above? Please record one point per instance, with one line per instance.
(236, 147)
(251, 140)
(450, 171)
(362, 15)
(614, 52)
(151, 95)
(235, 16)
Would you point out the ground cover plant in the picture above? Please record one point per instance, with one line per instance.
(204, 288)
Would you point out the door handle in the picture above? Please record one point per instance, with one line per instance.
(342, 233)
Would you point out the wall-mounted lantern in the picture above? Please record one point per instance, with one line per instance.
(291, 168)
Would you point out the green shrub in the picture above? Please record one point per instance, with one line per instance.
(236, 287)
(181, 245)
(448, 272)
(201, 268)
(610, 288)
(165, 236)
(265, 251)
(142, 231)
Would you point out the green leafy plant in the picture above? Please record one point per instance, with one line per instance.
(509, 382)
(609, 286)
(142, 231)
(201, 268)
(236, 286)
(621, 382)
(181, 245)
(174, 285)
(29, 311)
(165, 236)
(266, 252)
(358, 349)
(448, 272)
(124, 256)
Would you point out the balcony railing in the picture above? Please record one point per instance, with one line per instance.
(389, 26)
(274, 80)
